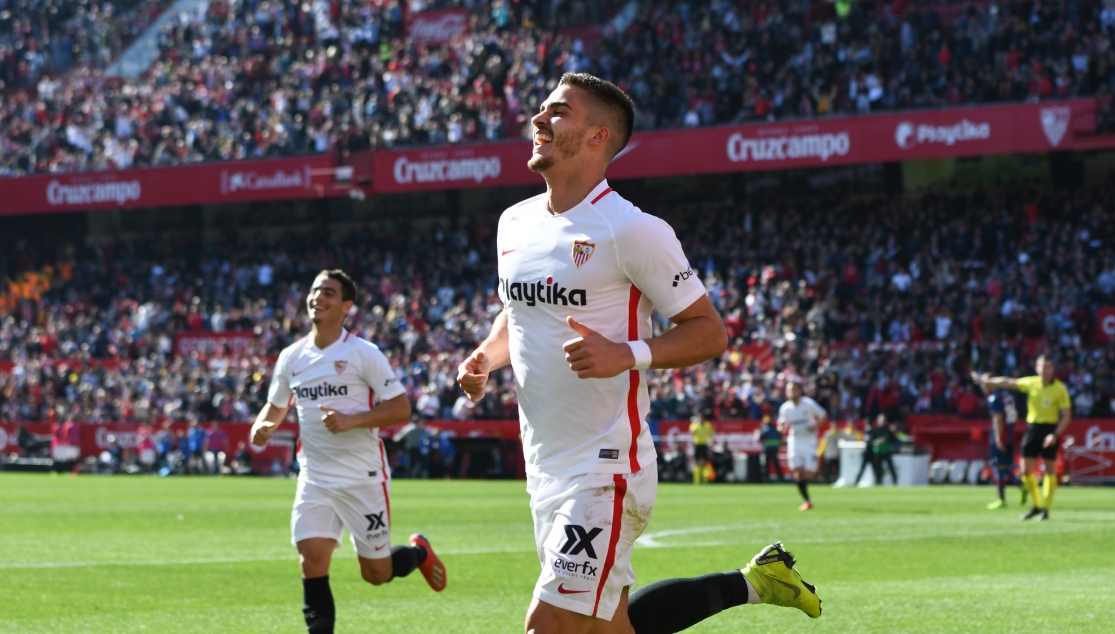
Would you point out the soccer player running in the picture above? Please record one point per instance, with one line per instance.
(334, 379)
(580, 270)
(1004, 414)
(799, 418)
(1048, 414)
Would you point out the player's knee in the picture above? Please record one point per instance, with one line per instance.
(375, 577)
(312, 568)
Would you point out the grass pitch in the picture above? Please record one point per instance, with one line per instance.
(142, 554)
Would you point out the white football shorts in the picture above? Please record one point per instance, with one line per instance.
(800, 457)
(363, 508)
(584, 529)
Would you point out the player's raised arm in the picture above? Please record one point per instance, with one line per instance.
(492, 354)
(269, 419)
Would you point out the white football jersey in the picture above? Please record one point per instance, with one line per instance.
(799, 417)
(608, 265)
(350, 376)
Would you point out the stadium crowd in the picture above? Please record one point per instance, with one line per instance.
(259, 78)
(884, 306)
(44, 38)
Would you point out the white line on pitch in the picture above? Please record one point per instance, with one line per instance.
(648, 540)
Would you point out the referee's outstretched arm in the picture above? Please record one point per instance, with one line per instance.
(990, 383)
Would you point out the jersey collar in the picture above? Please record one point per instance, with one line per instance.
(343, 337)
(596, 191)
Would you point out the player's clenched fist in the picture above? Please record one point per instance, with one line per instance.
(594, 356)
(261, 434)
(472, 375)
(337, 422)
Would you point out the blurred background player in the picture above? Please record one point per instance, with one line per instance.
(343, 388)
(701, 429)
(799, 418)
(771, 439)
(1048, 414)
(1004, 414)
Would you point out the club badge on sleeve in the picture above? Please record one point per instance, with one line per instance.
(582, 251)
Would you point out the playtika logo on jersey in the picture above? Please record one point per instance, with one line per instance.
(314, 392)
(550, 292)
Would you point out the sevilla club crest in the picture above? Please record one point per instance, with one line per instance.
(340, 366)
(1055, 122)
(582, 251)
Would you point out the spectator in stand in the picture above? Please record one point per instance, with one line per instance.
(448, 452)
(242, 460)
(245, 79)
(166, 445)
(218, 448)
(147, 452)
(195, 441)
(495, 471)
(413, 438)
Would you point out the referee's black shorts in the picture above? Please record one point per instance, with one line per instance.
(1035, 437)
(700, 452)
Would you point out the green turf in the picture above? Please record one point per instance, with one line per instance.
(127, 554)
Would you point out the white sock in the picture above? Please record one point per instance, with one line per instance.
(752, 596)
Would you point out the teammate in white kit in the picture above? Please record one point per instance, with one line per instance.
(343, 388)
(580, 271)
(799, 418)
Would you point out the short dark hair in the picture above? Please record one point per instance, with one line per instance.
(617, 104)
(348, 287)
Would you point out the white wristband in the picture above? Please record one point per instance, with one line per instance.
(642, 354)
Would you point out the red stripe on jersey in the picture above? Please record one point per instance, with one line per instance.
(635, 379)
(347, 335)
(290, 401)
(371, 398)
(602, 194)
(613, 540)
(386, 494)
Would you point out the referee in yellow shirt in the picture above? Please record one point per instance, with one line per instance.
(702, 432)
(1048, 412)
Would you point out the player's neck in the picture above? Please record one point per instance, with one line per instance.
(324, 336)
(566, 188)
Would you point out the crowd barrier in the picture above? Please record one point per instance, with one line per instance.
(1088, 444)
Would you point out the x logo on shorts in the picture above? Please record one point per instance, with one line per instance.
(579, 539)
(375, 520)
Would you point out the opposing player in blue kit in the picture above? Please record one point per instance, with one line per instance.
(1004, 414)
